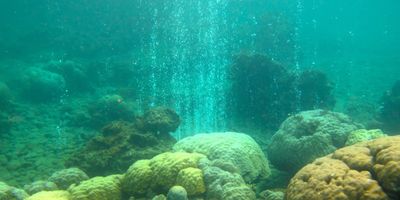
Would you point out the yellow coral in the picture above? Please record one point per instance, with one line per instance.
(192, 180)
(50, 195)
(97, 188)
(158, 174)
(346, 174)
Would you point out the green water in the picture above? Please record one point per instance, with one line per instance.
(70, 68)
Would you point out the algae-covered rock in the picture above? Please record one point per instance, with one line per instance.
(97, 188)
(307, 136)
(118, 146)
(39, 186)
(367, 170)
(160, 173)
(110, 108)
(229, 147)
(362, 135)
(161, 120)
(66, 177)
(51, 195)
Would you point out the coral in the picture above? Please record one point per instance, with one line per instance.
(368, 170)
(39, 186)
(39, 85)
(192, 180)
(110, 108)
(390, 109)
(66, 177)
(229, 147)
(272, 195)
(118, 146)
(97, 188)
(11, 193)
(315, 90)
(262, 90)
(160, 120)
(50, 195)
(363, 135)
(177, 193)
(307, 136)
(222, 184)
(160, 173)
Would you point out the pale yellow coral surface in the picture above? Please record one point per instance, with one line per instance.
(348, 173)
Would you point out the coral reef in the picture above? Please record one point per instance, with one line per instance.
(390, 110)
(229, 147)
(307, 136)
(50, 195)
(39, 85)
(368, 170)
(97, 188)
(11, 193)
(66, 177)
(158, 175)
(117, 147)
(39, 186)
(362, 135)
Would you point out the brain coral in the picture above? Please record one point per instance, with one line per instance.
(364, 171)
(97, 188)
(160, 173)
(307, 136)
(236, 148)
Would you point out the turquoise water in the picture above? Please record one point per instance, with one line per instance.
(69, 69)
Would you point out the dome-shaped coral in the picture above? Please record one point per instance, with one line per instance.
(161, 172)
(365, 171)
(192, 180)
(97, 188)
(66, 177)
(307, 136)
(11, 193)
(236, 148)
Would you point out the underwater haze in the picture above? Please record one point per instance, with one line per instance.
(199, 99)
